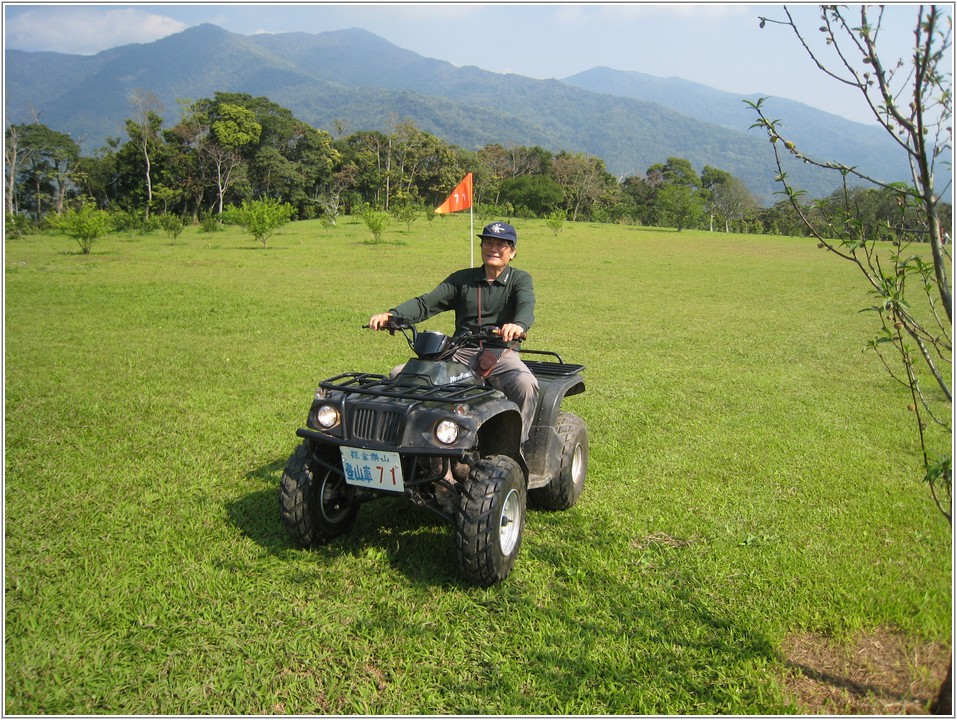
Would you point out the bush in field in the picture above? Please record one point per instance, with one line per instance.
(406, 213)
(555, 220)
(85, 225)
(210, 224)
(260, 218)
(377, 221)
(172, 226)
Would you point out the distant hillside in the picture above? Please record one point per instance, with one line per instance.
(819, 133)
(629, 120)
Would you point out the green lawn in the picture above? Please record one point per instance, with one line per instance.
(752, 474)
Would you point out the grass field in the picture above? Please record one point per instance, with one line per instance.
(753, 475)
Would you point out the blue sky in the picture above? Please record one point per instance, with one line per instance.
(719, 45)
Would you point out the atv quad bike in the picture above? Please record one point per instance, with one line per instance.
(438, 435)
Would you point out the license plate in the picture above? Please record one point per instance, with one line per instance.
(375, 469)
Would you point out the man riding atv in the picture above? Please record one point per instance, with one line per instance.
(494, 294)
(466, 429)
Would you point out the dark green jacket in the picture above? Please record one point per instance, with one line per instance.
(509, 299)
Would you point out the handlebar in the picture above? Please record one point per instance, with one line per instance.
(471, 333)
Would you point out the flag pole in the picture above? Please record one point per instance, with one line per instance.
(472, 234)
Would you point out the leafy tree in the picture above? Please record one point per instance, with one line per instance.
(97, 176)
(367, 151)
(329, 195)
(679, 206)
(679, 171)
(317, 163)
(231, 128)
(912, 99)
(641, 192)
(234, 147)
(727, 197)
(583, 180)
(289, 160)
(260, 218)
(711, 180)
(63, 156)
(187, 164)
(235, 126)
(779, 219)
(275, 174)
(220, 132)
(539, 193)
(403, 156)
(166, 196)
(40, 163)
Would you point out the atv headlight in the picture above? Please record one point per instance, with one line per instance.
(446, 432)
(327, 417)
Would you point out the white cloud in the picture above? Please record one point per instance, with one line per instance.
(84, 30)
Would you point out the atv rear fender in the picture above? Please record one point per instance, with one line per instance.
(544, 449)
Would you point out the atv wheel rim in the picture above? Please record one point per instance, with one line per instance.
(510, 526)
(577, 464)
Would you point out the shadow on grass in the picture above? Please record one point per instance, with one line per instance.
(642, 639)
(413, 541)
(632, 641)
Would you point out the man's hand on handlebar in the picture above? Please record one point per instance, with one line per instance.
(511, 331)
(380, 321)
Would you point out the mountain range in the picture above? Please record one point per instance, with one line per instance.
(355, 80)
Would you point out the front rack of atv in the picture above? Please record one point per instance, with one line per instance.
(410, 388)
(404, 389)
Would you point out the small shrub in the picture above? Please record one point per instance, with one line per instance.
(405, 213)
(260, 218)
(210, 224)
(377, 221)
(555, 220)
(172, 226)
(85, 225)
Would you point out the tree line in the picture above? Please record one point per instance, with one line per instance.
(234, 148)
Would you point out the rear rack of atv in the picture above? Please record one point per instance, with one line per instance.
(404, 389)
(555, 369)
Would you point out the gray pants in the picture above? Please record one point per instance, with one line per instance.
(512, 377)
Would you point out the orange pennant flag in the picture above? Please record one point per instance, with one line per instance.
(460, 199)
